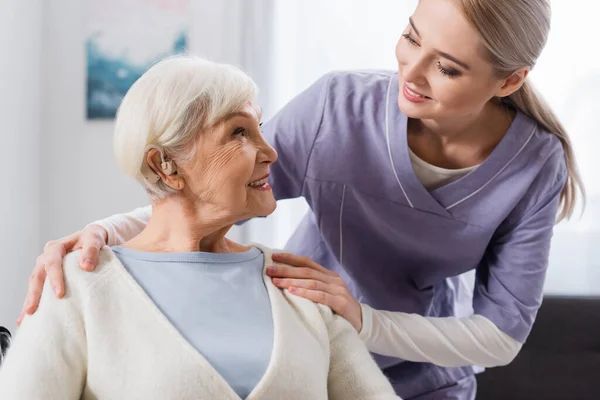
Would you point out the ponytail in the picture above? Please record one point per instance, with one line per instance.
(528, 101)
(514, 32)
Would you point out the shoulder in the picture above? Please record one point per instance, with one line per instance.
(360, 84)
(77, 281)
(538, 169)
(545, 151)
(346, 89)
(329, 100)
(303, 305)
(360, 77)
(268, 252)
(80, 286)
(538, 176)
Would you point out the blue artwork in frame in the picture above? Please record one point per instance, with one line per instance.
(124, 38)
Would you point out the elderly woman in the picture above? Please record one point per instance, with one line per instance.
(180, 311)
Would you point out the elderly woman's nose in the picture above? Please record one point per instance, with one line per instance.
(271, 154)
(266, 153)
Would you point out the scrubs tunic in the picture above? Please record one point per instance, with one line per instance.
(342, 145)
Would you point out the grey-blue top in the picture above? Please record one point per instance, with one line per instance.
(342, 145)
(219, 304)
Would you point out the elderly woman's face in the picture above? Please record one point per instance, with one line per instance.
(231, 167)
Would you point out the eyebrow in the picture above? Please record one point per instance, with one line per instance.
(441, 53)
(243, 114)
(410, 20)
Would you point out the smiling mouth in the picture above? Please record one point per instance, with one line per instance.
(416, 94)
(261, 183)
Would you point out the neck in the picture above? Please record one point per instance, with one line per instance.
(177, 225)
(460, 142)
(485, 125)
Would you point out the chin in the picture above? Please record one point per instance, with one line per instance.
(414, 110)
(266, 209)
(270, 208)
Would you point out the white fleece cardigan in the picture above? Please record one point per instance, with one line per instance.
(107, 340)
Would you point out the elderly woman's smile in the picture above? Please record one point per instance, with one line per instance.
(261, 184)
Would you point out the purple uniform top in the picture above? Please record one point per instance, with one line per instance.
(342, 146)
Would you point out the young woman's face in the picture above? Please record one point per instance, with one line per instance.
(442, 69)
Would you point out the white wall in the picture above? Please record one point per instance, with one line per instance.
(80, 181)
(20, 49)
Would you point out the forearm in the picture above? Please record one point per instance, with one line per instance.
(123, 227)
(448, 342)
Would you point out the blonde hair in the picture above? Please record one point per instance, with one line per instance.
(514, 33)
(169, 105)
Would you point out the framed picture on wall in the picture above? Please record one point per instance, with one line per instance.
(123, 39)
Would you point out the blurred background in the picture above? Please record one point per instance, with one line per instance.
(55, 105)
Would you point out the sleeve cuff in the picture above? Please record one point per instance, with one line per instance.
(367, 322)
(110, 232)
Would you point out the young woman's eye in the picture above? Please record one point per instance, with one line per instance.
(410, 39)
(239, 132)
(449, 72)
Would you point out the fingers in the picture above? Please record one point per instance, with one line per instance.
(317, 296)
(67, 243)
(91, 241)
(20, 319)
(89, 256)
(310, 284)
(337, 303)
(54, 271)
(301, 261)
(281, 271)
(34, 291)
(334, 296)
(52, 263)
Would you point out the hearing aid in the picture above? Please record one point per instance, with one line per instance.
(168, 167)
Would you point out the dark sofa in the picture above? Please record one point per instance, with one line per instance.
(559, 361)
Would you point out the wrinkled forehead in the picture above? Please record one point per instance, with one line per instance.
(248, 113)
(253, 110)
(249, 110)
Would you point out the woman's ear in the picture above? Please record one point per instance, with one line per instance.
(513, 82)
(166, 170)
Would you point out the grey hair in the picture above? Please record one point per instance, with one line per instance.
(168, 107)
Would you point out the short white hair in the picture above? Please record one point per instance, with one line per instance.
(169, 105)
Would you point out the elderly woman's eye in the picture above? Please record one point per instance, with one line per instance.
(239, 132)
